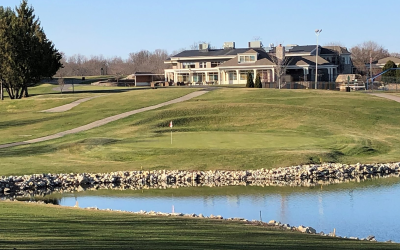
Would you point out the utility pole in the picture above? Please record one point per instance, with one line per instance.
(370, 65)
(317, 32)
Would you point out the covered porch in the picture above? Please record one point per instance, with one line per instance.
(239, 76)
(190, 76)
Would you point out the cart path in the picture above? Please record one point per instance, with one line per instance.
(104, 121)
(387, 96)
(69, 106)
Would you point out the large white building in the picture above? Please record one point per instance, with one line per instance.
(230, 65)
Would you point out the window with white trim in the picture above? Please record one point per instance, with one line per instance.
(232, 76)
(184, 77)
(188, 65)
(213, 76)
(247, 58)
(202, 65)
(215, 64)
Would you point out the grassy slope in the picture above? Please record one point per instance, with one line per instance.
(21, 118)
(31, 226)
(224, 129)
(227, 128)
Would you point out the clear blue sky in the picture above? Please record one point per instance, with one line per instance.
(118, 27)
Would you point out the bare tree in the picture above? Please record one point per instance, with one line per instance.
(195, 45)
(281, 63)
(361, 54)
(144, 60)
(395, 54)
(340, 44)
(61, 83)
(175, 52)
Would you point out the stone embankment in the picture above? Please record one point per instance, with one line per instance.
(303, 175)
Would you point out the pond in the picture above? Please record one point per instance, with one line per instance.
(354, 209)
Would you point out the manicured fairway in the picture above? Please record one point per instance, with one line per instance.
(224, 129)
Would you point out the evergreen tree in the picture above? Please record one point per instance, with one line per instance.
(390, 75)
(250, 82)
(26, 54)
(6, 44)
(257, 83)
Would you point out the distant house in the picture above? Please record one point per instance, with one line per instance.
(230, 65)
(381, 63)
(377, 66)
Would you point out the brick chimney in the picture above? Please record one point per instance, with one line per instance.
(280, 52)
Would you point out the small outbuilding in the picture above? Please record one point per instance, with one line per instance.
(146, 78)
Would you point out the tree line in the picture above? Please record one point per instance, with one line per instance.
(26, 54)
(142, 61)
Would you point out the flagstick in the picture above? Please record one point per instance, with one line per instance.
(171, 136)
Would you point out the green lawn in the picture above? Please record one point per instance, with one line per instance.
(229, 128)
(224, 129)
(22, 119)
(32, 226)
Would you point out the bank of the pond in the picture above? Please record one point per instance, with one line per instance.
(271, 225)
(302, 175)
(36, 226)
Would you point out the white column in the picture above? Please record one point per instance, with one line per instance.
(273, 75)
(219, 76)
(175, 77)
(207, 79)
(165, 76)
(255, 74)
(305, 74)
(237, 76)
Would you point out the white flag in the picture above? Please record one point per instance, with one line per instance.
(170, 124)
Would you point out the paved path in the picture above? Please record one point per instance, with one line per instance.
(387, 96)
(104, 121)
(69, 106)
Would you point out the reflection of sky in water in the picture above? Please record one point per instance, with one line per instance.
(358, 212)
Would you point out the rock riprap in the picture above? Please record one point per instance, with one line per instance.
(302, 175)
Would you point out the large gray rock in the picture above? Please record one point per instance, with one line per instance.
(311, 230)
(370, 238)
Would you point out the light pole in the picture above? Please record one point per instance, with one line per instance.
(316, 59)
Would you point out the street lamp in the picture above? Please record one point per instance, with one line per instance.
(316, 59)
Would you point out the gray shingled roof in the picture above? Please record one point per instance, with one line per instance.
(386, 59)
(336, 49)
(234, 52)
(211, 52)
(263, 59)
(307, 60)
(302, 48)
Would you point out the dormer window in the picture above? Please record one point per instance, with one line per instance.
(247, 58)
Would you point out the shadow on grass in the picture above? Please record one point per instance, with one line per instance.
(15, 123)
(99, 91)
(158, 233)
(26, 150)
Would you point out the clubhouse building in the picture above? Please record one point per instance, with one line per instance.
(230, 65)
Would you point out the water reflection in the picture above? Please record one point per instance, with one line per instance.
(354, 209)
